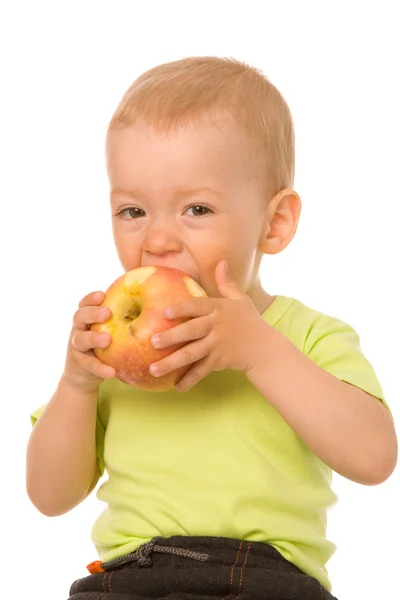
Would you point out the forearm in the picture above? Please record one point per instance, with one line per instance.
(346, 428)
(61, 453)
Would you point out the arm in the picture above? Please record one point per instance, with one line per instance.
(61, 465)
(349, 430)
(61, 461)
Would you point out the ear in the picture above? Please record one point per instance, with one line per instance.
(282, 218)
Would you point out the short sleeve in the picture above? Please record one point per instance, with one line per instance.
(335, 347)
(100, 435)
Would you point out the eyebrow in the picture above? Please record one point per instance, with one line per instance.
(190, 191)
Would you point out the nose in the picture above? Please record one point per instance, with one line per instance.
(161, 238)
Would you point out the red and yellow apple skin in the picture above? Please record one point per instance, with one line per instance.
(137, 300)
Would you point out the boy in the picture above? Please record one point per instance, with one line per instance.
(221, 491)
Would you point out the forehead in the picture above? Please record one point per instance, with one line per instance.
(212, 151)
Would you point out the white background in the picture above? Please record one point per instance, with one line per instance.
(64, 67)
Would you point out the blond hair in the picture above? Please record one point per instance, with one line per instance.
(184, 91)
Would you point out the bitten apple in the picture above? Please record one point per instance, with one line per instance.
(137, 300)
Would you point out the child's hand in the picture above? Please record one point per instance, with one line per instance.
(224, 333)
(83, 370)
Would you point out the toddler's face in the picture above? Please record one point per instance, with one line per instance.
(187, 200)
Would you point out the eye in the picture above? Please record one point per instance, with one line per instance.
(131, 213)
(198, 210)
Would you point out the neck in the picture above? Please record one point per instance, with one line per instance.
(260, 298)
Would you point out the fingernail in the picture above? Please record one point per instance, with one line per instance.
(104, 312)
(97, 295)
(155, 340)
(154, 371)
(168, 313)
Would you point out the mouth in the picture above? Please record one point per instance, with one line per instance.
(188, 272)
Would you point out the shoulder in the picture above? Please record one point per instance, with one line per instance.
(305, 326)
(316, 326)
(331, 343)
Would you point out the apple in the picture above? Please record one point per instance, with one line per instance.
(137, 300)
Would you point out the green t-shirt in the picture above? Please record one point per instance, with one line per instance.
(219, 460)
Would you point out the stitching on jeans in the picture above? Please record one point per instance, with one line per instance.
(103, 594)
(104, 587)
(241, 571)
(109, 581)
(233, 570)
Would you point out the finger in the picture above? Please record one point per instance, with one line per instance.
(92, 299)
(194, 307)
(196, 373)
(180, 358)
(186, 332)
(93, 365)
(83, 341)
(88, 315)
(227, 286)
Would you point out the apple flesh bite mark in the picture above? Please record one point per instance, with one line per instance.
(137, 300)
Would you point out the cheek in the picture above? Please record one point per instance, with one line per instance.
(207, 255)
(242, 255)
(129, 260)
(128, 252)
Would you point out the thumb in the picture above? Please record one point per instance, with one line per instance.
(227, 286)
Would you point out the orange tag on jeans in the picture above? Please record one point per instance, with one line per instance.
(95, 567)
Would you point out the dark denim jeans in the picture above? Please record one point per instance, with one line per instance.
(200, 568)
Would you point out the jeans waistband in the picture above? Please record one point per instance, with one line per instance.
(143, 554)
(197, 548)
